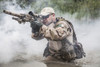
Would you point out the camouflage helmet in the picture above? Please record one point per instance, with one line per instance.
(47, 10)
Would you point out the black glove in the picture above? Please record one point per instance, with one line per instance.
(36, 26)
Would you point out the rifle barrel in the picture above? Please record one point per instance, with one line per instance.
(10, 13)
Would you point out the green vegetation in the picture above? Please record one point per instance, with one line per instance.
(87, 8)
(81, 7)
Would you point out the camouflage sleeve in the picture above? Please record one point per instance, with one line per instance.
(57, 33)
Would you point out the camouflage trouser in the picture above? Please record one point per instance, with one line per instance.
(66, 56)
(61, 55)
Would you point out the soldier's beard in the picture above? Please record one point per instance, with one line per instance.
(48, 23)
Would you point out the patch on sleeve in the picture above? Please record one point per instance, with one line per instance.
(59, 25)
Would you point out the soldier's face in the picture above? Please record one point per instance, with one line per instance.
(49, 19)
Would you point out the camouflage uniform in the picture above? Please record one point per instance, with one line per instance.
(60, 40)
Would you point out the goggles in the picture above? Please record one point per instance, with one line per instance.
(45, 17)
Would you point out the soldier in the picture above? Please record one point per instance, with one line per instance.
(62, 42)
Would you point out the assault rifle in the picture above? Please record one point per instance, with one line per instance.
(22, 18)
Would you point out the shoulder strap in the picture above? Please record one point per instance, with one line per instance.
(74, 35)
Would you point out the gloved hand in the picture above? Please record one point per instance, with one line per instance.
(36, 26)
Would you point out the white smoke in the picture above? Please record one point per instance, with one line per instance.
(87, 31)
(15, 38)
(89, 34)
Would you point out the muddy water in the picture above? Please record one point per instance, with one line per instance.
(92, 60)
(23, 64)
(37, 64)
